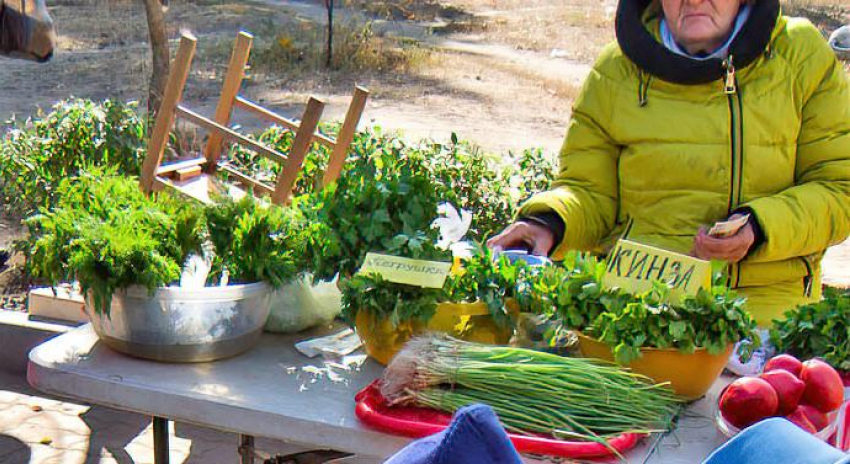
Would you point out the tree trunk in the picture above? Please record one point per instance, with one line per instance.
(329, 4)
(159, 52)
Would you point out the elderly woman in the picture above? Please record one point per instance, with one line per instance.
(702, 110)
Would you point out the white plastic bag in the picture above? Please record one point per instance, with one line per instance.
(301, 305)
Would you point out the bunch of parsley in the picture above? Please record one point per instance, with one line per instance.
(819, 329)
(481, 279)
(384, 199)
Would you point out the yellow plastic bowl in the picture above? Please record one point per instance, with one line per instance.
(690, 375)
(469, 321)
(380, 339)
(466, 321)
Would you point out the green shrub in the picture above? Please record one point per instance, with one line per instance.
(490, 188)
(389, 189)
(265, 170)
(37, 156)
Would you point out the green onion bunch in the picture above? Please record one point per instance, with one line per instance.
(531, 391)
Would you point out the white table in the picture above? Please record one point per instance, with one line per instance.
(265, 392)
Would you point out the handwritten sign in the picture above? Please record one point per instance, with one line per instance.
(633, 267)
(426, 274)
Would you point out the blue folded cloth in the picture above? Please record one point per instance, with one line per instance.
(776, 441)
(475, 436)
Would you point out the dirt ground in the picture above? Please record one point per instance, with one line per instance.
(502, 73)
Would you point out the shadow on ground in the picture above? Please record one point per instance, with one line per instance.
(13, 451)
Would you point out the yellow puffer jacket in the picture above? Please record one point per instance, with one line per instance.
(654, 160)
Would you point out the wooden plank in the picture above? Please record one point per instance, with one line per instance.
(303, 139)
(346, 135)
(229, 92)
(275, 118)
(197, 188)
(62, 303)
(180, 68)
(260, 188)
(232, 135)
(188, 173)
(178, 165)
(269, 116)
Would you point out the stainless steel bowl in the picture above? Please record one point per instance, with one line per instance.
(840, 42)
(184, 325)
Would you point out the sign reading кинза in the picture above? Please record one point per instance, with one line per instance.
(426, 274)
(633, 267)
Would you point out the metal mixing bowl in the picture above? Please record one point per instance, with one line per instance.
(840, 42)
(184, 325)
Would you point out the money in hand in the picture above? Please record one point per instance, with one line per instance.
(729, 227)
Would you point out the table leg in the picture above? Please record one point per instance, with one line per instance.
(160, 440)
(246, 449)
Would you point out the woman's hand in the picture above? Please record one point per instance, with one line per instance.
(524, 235)
(730, 249)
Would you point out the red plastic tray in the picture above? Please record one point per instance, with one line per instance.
(372, 409)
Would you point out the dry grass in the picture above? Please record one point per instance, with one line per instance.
(578, 29)
(826, 14)
(575, 29)
(358, 49)
(411, 10)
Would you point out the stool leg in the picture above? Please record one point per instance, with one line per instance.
(246, 449)
(160, 440)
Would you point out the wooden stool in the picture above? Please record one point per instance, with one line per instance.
(196, 177)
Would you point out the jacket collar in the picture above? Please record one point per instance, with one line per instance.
(643, 49)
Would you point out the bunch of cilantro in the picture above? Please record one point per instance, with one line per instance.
(574, 297)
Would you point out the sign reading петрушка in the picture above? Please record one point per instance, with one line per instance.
(426, 274)
(633, 267)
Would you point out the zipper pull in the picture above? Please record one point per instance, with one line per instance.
(807, 285)
(730, 88)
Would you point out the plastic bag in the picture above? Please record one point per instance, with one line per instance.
(301, 305)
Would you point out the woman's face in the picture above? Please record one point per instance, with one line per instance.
(701, 25)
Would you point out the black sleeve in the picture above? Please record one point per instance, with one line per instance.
(757, 230)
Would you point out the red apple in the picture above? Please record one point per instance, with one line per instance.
(788, 388)
(817, 418)
(824, 389)
(785, 362)
(747, 401)
(800, 420)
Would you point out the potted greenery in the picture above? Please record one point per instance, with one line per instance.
(685, 340)
(128, 252)
(474, 305)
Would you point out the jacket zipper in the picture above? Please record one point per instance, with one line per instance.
(736, 129)
(809, 279)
